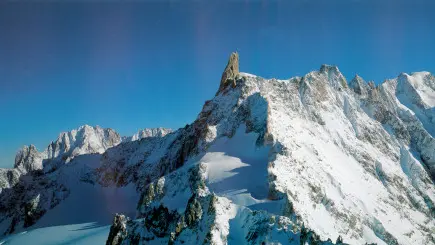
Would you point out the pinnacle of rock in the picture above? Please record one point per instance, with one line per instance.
(230, 72)
(359, 86)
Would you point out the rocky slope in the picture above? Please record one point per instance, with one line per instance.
(308, 160)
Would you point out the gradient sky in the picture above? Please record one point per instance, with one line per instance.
(146, 64)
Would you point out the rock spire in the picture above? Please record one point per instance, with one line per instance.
(230, 72)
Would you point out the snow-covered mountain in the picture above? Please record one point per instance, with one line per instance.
(308, 160)
(35, 184)
(148, 132)
(84, 140)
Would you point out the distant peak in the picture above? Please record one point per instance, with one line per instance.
(372, 84)
(403, 74)
(415, 74)
(329, 68)
(148, 132)
(421, 73)
(28, 159)
(358, 85)
(335, 77)
(230, 72)
(358, 77)
(86, 126)
(27, 148)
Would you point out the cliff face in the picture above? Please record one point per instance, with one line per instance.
(230, 73)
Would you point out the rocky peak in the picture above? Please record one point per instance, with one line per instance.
(230, 72)
(84, 140)
(371, 84)
(335, 78)
(148, 132)
(359, 86)
(419, 88)
(373, 92)
(118, 231)
(403, 75)
(28, 159)
(329, 68)
(423, 76)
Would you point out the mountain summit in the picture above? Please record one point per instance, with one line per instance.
(308, 160)
(230, 73)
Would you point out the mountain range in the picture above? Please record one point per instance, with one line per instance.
(307, 160)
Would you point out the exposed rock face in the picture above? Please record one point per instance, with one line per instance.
(230, 73)
(118, 230)
(9, 177)
(359, 86)
(26, 201)
(335, 78)
(33, 211)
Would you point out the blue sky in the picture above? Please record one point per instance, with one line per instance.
(147, 64)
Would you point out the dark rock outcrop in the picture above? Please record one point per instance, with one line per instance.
(118, 230)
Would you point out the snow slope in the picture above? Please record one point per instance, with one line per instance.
(86, 233)
(237, 170)
(85, 214)
(423, 83)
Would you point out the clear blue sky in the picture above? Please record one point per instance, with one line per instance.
(146, 64)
